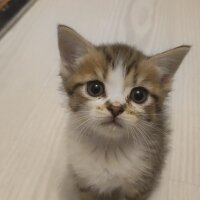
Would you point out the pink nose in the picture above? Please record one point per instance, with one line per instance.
(115, 109)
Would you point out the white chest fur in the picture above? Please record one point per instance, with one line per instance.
(106, 171)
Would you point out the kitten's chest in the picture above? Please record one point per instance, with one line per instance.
(107, 170)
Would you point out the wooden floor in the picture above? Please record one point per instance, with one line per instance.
(32, 114)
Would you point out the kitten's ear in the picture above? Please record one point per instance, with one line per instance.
(72, 47)
(169, 61)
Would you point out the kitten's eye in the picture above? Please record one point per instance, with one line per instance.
(139, 95)
(95, 88)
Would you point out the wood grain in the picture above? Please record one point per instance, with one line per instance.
(32, 114)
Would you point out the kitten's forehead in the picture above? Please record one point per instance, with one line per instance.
(115, 81)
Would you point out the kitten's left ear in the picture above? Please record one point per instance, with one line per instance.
(169, 61)
(72, 48)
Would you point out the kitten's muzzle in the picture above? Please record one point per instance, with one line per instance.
(112, 121)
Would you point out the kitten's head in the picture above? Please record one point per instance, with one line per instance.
(114, 90)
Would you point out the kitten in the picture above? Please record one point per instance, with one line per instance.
(117, 138)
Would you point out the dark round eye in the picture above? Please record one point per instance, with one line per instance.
(95, 88)
(139, 95)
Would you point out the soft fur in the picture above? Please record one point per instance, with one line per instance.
(106, 161)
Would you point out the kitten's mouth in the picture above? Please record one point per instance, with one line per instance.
(112, 122)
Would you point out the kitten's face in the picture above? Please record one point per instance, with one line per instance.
(112, 95)
(114, 90)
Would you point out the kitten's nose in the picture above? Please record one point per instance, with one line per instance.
(115, 108)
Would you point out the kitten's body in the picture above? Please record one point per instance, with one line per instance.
(116, 145)
(124, 166)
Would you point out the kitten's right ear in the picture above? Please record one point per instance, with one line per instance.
(72, 47)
